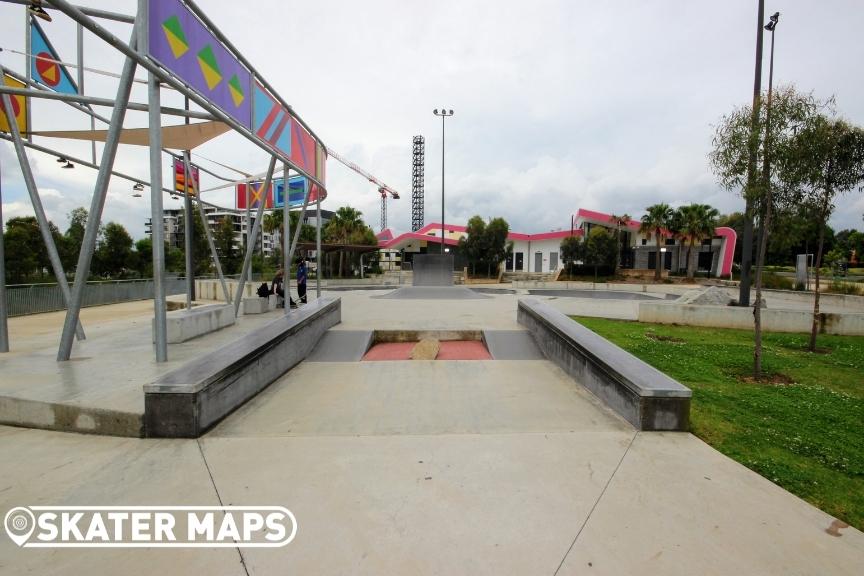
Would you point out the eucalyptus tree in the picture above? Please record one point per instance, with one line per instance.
(825, 160)
(789, 112)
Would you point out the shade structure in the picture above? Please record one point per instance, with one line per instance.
(182, 137)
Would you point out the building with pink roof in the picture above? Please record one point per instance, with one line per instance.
(540, 252)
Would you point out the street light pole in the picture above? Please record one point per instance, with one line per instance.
(443, 114)
(766, 215)
(747, 239)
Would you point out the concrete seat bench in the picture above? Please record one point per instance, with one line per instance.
(187, 401)
(641, 394)
(259, 305)
(185, 324)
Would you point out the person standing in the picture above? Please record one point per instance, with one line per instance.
(301, 280)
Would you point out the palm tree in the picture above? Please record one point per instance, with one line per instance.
(345, 221)
(619, 221)
(657, 221)
(271, 223)
(697, 221)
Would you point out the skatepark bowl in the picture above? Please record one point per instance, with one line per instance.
(601, 294)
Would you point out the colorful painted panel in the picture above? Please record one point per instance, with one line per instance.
(19, 107)
(302, 148)
(297, 186)
(254, 190)
(320, 162)
(180, 177)
(181, 43)
(44, 67)
(271, 121)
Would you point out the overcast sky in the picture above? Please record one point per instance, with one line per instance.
(558, 104)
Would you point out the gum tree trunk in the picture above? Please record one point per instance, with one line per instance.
(815, 328)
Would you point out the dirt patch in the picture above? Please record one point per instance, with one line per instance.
(776, 379)
(662, 338)
(818, 350)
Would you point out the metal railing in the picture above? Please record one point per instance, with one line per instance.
(23, 299)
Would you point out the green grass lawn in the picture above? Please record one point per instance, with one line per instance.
(806, 435)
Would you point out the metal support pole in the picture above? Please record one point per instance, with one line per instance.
(100, 192)
(28, 42)
(41, 218)
(246, 223)
(250, 248)
(156, 217)
(209, 235)
(318, 244)
(299, 223)
(188, 172)
(286, 239)
(80, 37)
(4, 324)
(187, 232)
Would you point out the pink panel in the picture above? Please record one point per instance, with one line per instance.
(727, 249)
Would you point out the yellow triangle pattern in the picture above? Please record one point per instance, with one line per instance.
(236, 95)
(212, 77)
(178, 47)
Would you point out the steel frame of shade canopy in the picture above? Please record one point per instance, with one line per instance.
(135, 52)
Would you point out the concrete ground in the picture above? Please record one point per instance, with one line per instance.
(423, 467)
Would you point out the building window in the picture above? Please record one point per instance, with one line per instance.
(644, 241)
(670, 242)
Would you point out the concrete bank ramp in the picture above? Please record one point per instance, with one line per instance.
(433, 293)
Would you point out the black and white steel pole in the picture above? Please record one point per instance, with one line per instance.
(747, 236)
(443, 114)
(766, 172)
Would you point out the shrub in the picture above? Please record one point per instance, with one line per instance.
(772, 281)
(847, 288)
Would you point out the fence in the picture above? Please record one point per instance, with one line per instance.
(22, 299)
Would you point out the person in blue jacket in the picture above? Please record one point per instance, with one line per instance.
(301, 280)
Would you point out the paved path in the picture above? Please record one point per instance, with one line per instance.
(431, 467)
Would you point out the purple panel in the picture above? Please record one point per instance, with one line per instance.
(181, 43)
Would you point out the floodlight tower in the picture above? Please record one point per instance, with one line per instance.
(383, 193)
(418, 177)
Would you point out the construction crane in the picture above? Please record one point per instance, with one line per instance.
(381, 186)
(383, 189)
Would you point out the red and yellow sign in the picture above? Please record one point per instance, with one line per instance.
(19, 107)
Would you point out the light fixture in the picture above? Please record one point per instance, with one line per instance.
(136, 195)
(138, 187)
(68, 165)
(61, 160)
(35, 8)
(773, 22)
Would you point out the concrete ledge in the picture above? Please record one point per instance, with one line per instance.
(186, 402)
(847, 324)
(68, 418)
(644, 396)
(258, 305)
(183, 325)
